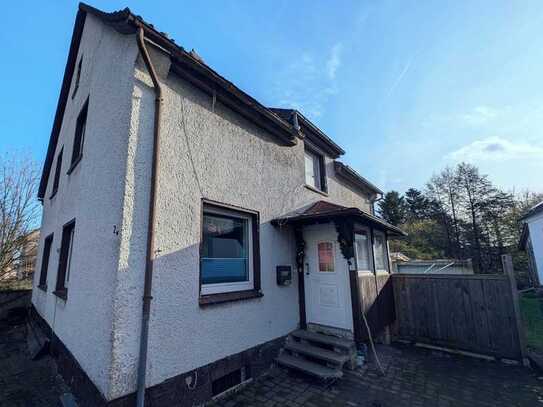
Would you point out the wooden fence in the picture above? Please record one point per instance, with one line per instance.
(477, 313)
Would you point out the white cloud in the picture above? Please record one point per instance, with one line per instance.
(496, 149)
(479, 115)
(334, 62)
(309, 81)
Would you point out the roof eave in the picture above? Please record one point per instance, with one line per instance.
(350, 175)
(62, 99)
(348, 212)
(125, 22)
(313, 133)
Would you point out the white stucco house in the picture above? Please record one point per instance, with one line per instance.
(531, 241)
(188, 229)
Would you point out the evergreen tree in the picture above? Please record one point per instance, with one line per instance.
(418, 206)
(392, 208)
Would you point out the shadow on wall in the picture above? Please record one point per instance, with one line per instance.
(184, 335)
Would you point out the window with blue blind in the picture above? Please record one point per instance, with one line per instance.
(226, 258)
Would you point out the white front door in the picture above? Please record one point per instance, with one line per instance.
(327, 292)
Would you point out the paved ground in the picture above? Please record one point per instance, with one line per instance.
(23, 382)
(414, 377)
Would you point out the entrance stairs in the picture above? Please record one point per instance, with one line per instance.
(316, 354)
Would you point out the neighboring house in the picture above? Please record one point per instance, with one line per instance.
(240, 216)
(23, 267)
(531, 241)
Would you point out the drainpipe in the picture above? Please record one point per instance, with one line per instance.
(142, 362)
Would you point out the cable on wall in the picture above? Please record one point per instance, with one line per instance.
(188, 148)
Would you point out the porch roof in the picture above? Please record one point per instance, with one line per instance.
(323, 211)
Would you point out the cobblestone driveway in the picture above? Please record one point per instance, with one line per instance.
(414, 377)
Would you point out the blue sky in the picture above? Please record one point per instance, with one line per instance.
(406, 88)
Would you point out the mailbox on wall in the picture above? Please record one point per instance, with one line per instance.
(284, 275)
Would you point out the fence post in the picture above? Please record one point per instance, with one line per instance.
(507, 263)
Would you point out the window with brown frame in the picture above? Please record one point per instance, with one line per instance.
(45, 261)
(56, 179)
(229, 254)
(79, 138)
(315, 171)
(65, 259)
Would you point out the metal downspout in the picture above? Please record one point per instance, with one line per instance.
(142, 362)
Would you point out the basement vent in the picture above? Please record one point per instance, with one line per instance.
(229, 381)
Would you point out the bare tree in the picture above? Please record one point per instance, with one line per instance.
(19, 208)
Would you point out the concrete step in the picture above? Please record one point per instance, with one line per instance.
(311, 368)
(334, 341)
(315, 352)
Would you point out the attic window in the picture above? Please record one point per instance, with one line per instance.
(79, 137)
(77, 76)
(56, 180)
(315, 174)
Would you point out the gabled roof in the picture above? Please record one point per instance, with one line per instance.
(310, 131)
(347, 173)
(323, 211)
(534, 210)
(184, 63)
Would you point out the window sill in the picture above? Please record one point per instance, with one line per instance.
(318, 191)
(219, 298)
(53, 194)
(43, 287)
(74, 164)
(62, 294)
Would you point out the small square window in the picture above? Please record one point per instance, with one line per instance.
(227, 258)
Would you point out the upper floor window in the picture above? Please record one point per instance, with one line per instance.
(77, 76)
(56, 179)
(79, 138)
(315, 175)
(229, 252)
(65, 259)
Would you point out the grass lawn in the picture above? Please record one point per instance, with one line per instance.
(531, 309)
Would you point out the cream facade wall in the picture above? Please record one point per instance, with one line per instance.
(207, 151)
(92, 194)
